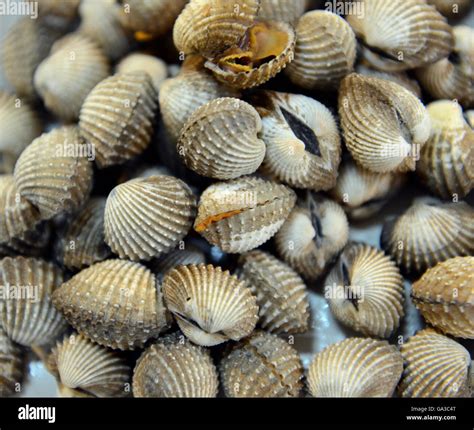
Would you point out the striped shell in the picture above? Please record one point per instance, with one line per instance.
(241, 214)
(447, 160)
(115, 303)
(117, 117)
(53, 172)
(146, 217)
(91, 368)
(445, 296)
(312, 236)
(12, 364)
(384, 124)
(365, 291)
(281, 294)
(429, 232)
(325, 51)
(175, 367)
(282, 10)
(263, 365)
(27, 312)
(220, 140)
(355, 367)
(210, 305)
(435, 366)
(302, 139)
(180, 256)
(63, 80)
(400, 34)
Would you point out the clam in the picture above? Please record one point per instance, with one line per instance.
(64, 79)
(365, 291)
(445, 296)
(54, 173)
(117, 117)
(281, 294)
(262, 365)
(355, 367)
(220, 140)
(384, 124)
(325, 51)
(452, 8)
(241, 214)
(12, 366)
(312, 236)
(210, 305)
(302, 139)
(115, 303)
(401, 34)
(435, 366)
(429, 232)
(27, 312)
(282, 10)
(175, 367)
(146, 217)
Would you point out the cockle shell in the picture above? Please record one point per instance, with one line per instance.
(241, 214)
(83, 242)
(53, 172)
(302, 139)
(210, 305)
(281, 294)
(429, 232)
(384, 124)
(262, 365)
(180, 256)
(435, 366)
(116, 303)
(117, 117)
(312, 236)
(325, 51)
(91, 368)
(452, 8)
(26, 309)
(12, 364)
(220, 140)
(355, 367)
(63, 80)
(401, 34)
(146, 217)
(282, 10)
(365, 291)
(175, 367)
(445, 296)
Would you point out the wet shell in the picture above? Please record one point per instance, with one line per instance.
(83, 242)
(302, 139)
(325, 51)
(27, 312)
(281, 294)
(220, 141)
(115, 303)
(210, 305)
(429, 232)
(117, 117)
(146, 217)
(312, 236)
(282, 10)
(401, 34)
(445, 296)
(63, 80)
(241, 214)
(365, 291)
(355, 367)
(262, 365)
(435, 366)
(53, 172)
(384, 124)
(91, 368)
(452, 8)
(181, 256)
(12, 364)
(174, 367)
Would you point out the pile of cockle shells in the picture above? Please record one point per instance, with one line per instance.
(207, 163)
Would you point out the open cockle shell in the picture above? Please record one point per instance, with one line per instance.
(355, 367)
(210, 305)
(12, 366)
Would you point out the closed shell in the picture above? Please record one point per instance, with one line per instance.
(12, 366)
(355, 367)
(210, 305)
(445, 296)
(282, 10)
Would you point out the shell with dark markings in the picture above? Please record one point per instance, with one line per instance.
(12, 366)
